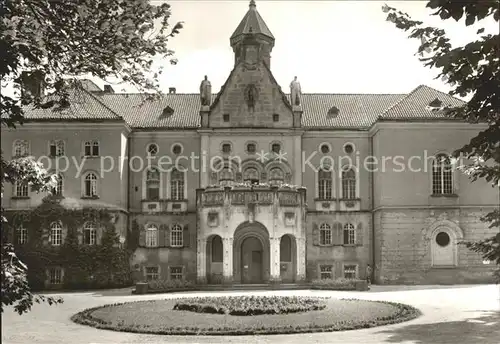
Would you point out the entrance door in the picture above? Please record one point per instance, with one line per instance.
(251, 261)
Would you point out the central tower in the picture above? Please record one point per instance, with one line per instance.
(252, 41)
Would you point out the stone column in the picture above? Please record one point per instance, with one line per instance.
(201, 261)
(227, 270)
(301, 259)
(274, 259)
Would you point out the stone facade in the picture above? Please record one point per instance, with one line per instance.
(255, 206)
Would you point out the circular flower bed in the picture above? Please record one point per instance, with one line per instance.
(250, 305)
(159, 317)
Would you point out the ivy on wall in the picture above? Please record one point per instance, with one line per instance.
(103, 265)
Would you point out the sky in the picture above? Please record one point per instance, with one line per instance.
(331, 46)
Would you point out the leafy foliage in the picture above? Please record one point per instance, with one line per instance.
(473, 69)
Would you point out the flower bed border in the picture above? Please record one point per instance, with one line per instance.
(404, 313)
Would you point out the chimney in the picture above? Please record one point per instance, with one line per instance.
(108, 89)
(32, 84)
(171, 90)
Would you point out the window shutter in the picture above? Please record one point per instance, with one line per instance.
(167, 236)
(315, 234)
(186, 237)
(359, 235)
(337, 233)
(142, 238)
(161, 235)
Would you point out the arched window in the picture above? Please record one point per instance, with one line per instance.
(349, 184)
(90, 185)
(89, 233)
(20, 148)
(325, 183)
(325, 234)
(21, 189)
(442, 175)
(58, 189)
(276, 176)
(177, 185)
(56, 233)
(153, 184)
(56, 148)
(176, 236)
(349, 234)
(217, 251)
(22, 235)
(152, 236)
(251, 175)
(91, 148)
(226, 176)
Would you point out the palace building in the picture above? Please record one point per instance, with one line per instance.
(264, 186)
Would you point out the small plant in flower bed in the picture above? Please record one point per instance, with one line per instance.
(250, 305)
(335, 284)
(159, 285)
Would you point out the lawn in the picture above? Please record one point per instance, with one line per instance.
(159, 317)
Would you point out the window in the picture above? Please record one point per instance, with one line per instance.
(324, 148)
(55, 276)
(176, 236)
(350, 271)
(22, 235)
(21, 148)
(177, 149)
(442, 172)
(348, 148)
(325, 184)
(251, 148)
(226, 148)
(176, 272)
(226, 177)
(349, 234)
(58, 190)
(217, 250)
(21, 189)
(325, 234)
(349, 184)
(152, 149)
(153, 184)
(56, 233)
(177, 185)
(333, 112)
(276, 148)
(251, 175)
(276, 176)
(90, 185)
(56, 148)
(152, 273)
(326, 271)
(442, 239)
(91, 148)
(152, 236)
(226, 117)
(276, 118)
(89, 233)
(285, 249)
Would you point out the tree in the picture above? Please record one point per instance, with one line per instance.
(53, 42)
(473, 70)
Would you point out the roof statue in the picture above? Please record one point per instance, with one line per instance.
(295, 92)
(205, 92)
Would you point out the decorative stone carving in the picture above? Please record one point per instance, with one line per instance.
(205, 92)
(295, 92)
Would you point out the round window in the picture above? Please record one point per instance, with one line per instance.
(177, 149)
(152, 149)
(442, 239)
(325, 149)
(348, 148)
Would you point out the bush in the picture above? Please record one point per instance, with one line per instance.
(250, 305)
(335, 284)
(165, 285)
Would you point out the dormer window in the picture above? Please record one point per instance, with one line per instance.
(334, 111)
(436, 103)
(167, 112)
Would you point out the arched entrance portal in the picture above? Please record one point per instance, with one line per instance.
(251, 254)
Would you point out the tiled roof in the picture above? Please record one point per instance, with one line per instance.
(416, 105)
(252, 22)
(83, 106)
